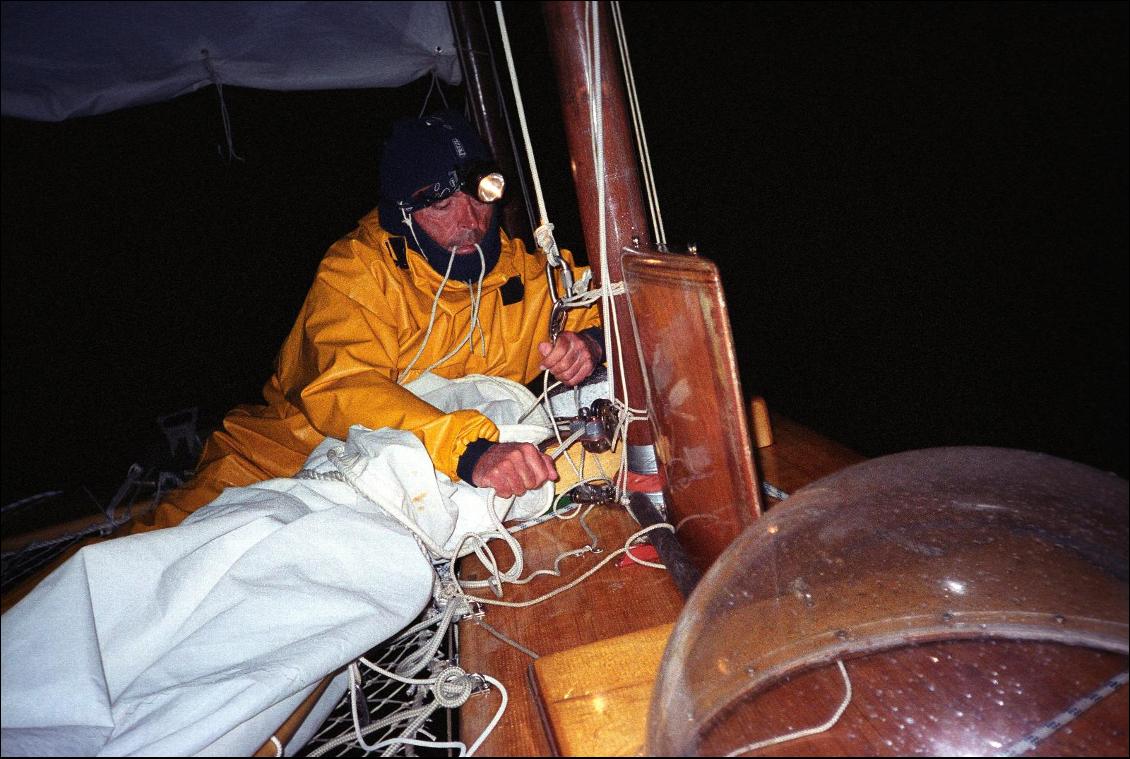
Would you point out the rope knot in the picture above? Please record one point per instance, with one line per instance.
(446, 589)
(543, 236)
(452, 687)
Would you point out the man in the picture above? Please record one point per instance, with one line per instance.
(427, 282)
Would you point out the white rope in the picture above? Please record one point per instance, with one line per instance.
(360, 732)
(476, 301)
(483, 551)
(567, 442)
(497, 715)
(450, 687)
(573, 583)
(543, 215)
(428, 97)
(435, 305)
(810, 731)
(637, 123)
(538, 401)
(215, 77)
(444, 684)
(557, 432)
(592, 70)
(458, 745)
(448, 699)
(556, 571)
(543, 235)
(553, 513)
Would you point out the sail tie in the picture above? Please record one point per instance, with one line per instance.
(637, 124)
(212, 75)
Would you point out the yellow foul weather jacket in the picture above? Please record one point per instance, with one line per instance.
(364, 319)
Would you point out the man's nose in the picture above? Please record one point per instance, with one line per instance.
(465, 211)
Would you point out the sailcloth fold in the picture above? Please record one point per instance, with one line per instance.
(201, 639)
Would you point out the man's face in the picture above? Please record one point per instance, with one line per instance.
(458, 220)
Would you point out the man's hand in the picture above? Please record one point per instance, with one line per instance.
(513, 468)
(571, 358)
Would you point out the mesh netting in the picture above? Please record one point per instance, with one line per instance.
(393, 708)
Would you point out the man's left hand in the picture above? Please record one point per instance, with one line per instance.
(571, 358)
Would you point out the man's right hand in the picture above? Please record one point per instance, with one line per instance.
(513, 468)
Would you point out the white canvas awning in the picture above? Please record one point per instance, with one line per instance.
(65, 59)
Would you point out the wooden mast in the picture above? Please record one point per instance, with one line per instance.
(624, 219)
(727, 490)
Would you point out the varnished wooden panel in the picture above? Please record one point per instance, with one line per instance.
(694, 399)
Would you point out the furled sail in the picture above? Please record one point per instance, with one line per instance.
(66, 59)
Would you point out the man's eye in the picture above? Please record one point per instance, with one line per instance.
(441, 205)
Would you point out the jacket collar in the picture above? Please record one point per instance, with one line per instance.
(421, 272)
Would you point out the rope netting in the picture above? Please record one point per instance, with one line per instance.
(397, 718)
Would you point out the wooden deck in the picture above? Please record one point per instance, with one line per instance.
(613, 602)
(600, 645)
(601, 642)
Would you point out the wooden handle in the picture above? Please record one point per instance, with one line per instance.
(759, 416)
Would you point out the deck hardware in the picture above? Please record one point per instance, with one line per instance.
(478, 683)
(596, 423)
(598, 491)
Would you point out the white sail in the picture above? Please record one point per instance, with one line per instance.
(65, 59)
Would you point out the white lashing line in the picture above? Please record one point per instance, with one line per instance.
(543, 215)
(544, 233)
(637, 123)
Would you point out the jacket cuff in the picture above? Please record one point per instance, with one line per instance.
(597, 334)
(474, 452)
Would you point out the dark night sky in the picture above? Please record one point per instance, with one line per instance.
(919, 211)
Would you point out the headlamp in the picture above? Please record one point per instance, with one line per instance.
(480, 180)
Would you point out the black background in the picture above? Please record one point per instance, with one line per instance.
(919, 211)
